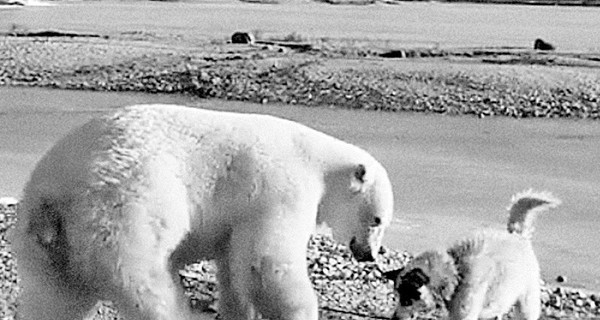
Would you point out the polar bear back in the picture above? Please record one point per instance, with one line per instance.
(115, 143)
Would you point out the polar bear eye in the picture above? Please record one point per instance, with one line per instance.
(376, 221)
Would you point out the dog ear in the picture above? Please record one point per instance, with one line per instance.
(443, 274)
(358, 179)
(392, 275)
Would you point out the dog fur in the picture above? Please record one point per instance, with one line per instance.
(482, 276)
(119, 205)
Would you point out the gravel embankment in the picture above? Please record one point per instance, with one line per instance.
(346, 289)
(268, 74)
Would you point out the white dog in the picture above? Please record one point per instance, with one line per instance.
(480, 277)
(118, 206)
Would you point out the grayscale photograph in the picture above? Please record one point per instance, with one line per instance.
(299, 159)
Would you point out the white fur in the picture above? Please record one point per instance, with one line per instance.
(119, 205)
(524, 209)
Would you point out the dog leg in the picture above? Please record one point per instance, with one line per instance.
(467, 304)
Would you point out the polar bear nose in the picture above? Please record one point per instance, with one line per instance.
(361, 252)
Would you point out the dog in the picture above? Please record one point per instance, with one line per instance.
(482, 276)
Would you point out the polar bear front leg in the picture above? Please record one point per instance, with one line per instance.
(282, 290)
(268, 273)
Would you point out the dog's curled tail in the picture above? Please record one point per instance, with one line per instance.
(524, 208)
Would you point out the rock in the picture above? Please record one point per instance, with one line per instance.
(262, 1)
(592, 304)
(394, 54)
(561, 279)
(351, 2)
(243, 37)
(11, 3)
(8, 202)
(540, 44)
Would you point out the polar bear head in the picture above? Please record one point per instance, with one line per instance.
(358, 205)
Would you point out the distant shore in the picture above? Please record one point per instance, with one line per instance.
(584, 3)
(580, 3)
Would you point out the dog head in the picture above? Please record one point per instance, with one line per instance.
(427, 282)
(410, 285)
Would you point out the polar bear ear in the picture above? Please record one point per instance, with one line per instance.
(359, 177)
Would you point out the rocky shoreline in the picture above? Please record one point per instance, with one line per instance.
(451, 82)
(347, 289)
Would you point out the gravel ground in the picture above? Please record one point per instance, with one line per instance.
(347, 290)
(326, 75)
(8, 272)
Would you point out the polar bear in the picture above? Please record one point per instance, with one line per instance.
(120, 204)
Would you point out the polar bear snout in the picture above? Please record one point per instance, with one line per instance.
(365, 245)
(361, 251)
